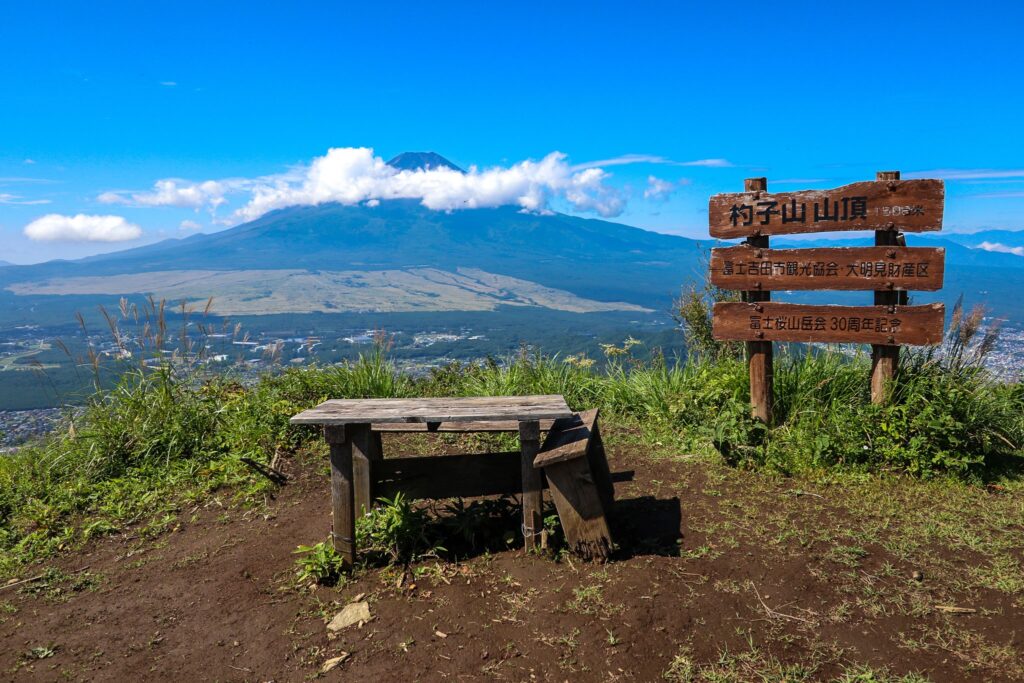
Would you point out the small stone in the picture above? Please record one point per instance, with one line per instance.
(333, 662)
(352, 614)
(917, 575)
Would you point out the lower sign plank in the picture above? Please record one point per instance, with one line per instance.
(895, 325)
(861, 268)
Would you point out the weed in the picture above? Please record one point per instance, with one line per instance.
(395, 532)
(319, 563)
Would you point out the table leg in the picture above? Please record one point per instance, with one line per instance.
(533, 490)
(366, 449)
(343, 534)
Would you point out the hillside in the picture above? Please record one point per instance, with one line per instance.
(590, 262)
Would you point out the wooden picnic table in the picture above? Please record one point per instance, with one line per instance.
(359, 472)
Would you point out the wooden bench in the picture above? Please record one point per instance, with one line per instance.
(576, 468)
(572, 458)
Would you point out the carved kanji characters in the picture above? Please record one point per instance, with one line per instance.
(791, 215)
(741, 211)
(766, 211)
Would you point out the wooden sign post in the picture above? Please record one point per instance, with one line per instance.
(760, 354)
(889, 269)
(884, 359)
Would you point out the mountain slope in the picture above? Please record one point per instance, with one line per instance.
(401, 256)
(592, 259)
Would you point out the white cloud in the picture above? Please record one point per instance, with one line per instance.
(18, 199)
(651, 159)
(175, 192)
(658, 189)
(81, 228)
(967, 173)
(29, 161)
(354, 175)
(190, 225)
(1001, 248)
(168, 84)
(708, 163)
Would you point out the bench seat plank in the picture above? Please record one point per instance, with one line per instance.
(425, 410)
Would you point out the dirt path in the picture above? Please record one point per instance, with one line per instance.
(720, 573)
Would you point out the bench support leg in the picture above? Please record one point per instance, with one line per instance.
(533, 484)
(366, 449)
(343, 533)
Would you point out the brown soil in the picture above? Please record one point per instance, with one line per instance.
(214, 599)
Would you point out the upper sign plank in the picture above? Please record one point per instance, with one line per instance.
(908, 205)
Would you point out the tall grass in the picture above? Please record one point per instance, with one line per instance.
(168, 433)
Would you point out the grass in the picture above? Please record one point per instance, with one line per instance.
(863, 497)
(167, 436)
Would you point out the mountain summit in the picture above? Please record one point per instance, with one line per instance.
(414, 161)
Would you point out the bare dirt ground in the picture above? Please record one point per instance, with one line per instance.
(722, 575)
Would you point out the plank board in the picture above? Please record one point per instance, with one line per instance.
(861, 268)
(569, 439)
(907, 205)
(458, 427)
(580, 510)
(448, 476)
(424, 410)
(918, 325)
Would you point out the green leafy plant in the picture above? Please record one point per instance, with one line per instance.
(395, 532)
(319, 563)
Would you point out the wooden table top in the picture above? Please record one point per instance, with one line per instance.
(399, 410)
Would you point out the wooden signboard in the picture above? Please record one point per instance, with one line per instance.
(857, 268)
(883, 325)
(907, 205)
(886, 205)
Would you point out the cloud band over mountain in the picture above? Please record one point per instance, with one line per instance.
(353, 175)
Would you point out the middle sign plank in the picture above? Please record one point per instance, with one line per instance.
(848, 268)
(908, 205)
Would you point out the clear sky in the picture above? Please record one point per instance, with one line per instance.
(100, 100)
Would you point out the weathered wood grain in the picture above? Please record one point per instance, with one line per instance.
(533, 483)
(567, 440)
(835, 268)
(600, 470)
(448, 476)
(885, 358)
(568, 458)
(366, 453)
(578, 501)
(426, 410)
(343, 520)
(916, 325)
(456, 427)
(907, 205)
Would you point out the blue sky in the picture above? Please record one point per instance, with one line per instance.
(112, 97)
